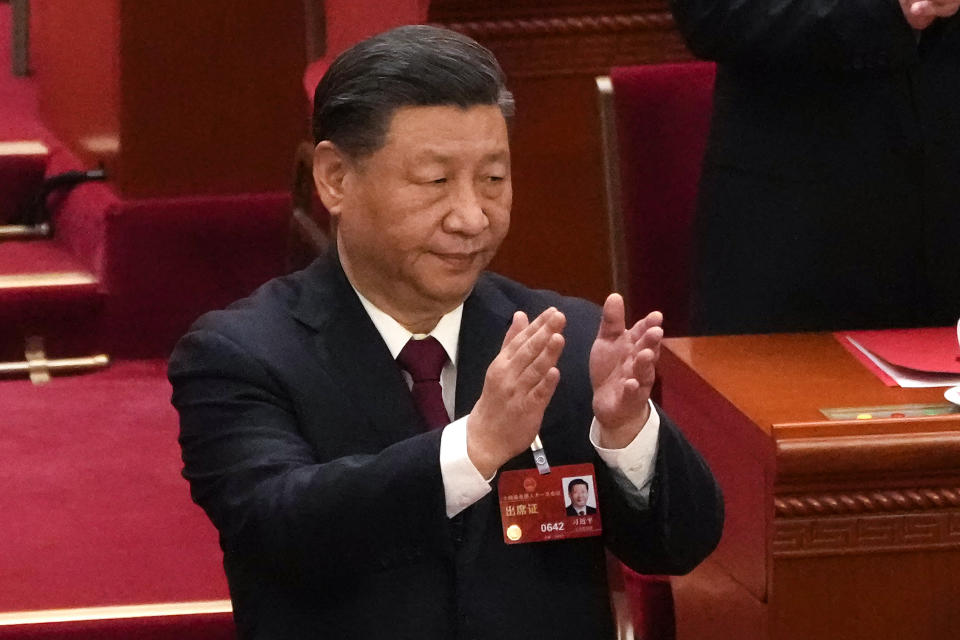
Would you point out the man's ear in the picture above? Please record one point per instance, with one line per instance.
(329, 170)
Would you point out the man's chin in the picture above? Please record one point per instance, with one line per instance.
(450, 293)
(450, 298)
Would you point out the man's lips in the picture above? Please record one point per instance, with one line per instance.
(457, 258)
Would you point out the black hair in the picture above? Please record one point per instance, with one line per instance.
(415, 65)
(577, 481)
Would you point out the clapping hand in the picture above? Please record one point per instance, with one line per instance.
(622, 372)
(516, 391)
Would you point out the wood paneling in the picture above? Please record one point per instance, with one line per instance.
(76, 51)
(834, 529)
(551, 51)
(178, 97)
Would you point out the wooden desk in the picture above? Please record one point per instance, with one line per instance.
(835, 529)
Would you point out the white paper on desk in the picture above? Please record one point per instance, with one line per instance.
(906, 377)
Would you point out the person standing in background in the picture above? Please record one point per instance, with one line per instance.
(830, 188)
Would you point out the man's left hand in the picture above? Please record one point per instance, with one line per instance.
(622, 372)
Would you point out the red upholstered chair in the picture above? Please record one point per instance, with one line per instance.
(350, 21)
(655, 120)
(654, 123)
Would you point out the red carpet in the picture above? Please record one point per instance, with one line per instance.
(95, 511)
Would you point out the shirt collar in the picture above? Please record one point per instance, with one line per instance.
(396, 336)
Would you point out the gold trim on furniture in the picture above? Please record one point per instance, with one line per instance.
(35, 280)
(24, 231)
(23, 148)
(121, 612)
(58, 365)
(611, 175)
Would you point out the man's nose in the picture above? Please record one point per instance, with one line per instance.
(466, 215)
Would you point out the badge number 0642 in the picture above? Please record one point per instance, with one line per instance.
(560, 505)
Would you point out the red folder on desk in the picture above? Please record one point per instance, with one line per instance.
(924, 351)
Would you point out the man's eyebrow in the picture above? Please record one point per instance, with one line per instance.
(431, 155)
(495, 156)
(436, 156)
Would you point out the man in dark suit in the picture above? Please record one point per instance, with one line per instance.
(579, 492)
(354, 493)
(829, 193)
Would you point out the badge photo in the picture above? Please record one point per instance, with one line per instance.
(579, 497)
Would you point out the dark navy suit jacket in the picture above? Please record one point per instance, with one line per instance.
(302, 443)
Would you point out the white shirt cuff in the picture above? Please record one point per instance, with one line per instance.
(637, 461)
(462, 483)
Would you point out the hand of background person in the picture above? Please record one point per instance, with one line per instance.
(622, 372)
(920, 14)
(516, 391)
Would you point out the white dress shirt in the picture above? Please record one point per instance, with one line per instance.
(463, 485)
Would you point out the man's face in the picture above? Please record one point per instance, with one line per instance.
(422, 216)
(578, 495)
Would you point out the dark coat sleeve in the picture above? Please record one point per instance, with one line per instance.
(839, 35)
(274, 501)
(684, 520)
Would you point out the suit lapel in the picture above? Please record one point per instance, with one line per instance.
(353, 352)
(486, 317)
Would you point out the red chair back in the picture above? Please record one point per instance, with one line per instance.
(655, 138)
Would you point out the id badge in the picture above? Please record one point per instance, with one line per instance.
(537, 508)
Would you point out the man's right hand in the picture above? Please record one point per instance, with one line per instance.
(920, 14)
(516, 391)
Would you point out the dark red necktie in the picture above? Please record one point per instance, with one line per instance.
(424, 360)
